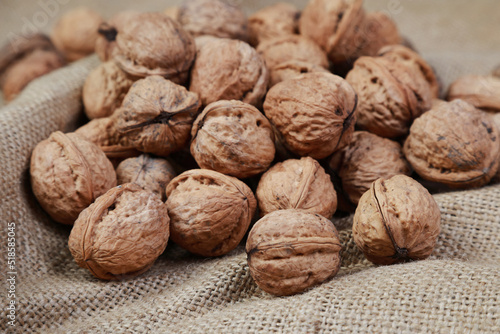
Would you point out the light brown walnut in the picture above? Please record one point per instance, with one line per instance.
(290, 251)
(106, 41)
(482, 92)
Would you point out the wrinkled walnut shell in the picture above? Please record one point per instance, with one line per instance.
(289, 251)
(482, 92)
(121, 234)
(397, 220)
(273, 21)
(297, 184)
(233, 138)
(209, 211)
(314, 113)
(291, 69)
(68, 173)
(454, 144)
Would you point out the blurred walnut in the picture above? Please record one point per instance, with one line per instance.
(367, 158)
(233, 138)
(314, 113)
(391, 95)
(229, 70)
(68, 173)
(297, 184)
(172, 12)
(292, 69)
(121, 234)
(454, 144)
(213, 17)
(273, 21)
(289, 251)
(104, 90)
(75, 33)
(156, 116)
(209, 211)
(106, 40)
(397, 220)
(482, 92)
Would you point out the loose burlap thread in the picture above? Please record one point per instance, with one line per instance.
(455, 291)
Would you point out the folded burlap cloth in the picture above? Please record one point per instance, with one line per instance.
(456, 290)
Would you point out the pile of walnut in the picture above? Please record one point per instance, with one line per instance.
(201, 116)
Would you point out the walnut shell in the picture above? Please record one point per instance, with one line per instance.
(396, 220)
(154, 44)
(367, 158)
(213, 17)
(482, 92)
(391, 95)
(297, 184)
(229, 70)
(156, 116)
(121, 234)
(104, 90)
(289, 251)
(209, 211)
(291, 69)
(454, 144)
(106, 40)
(314, 113)
(75, 33)
(273, 21)
(68, 173)
(233, 138)
(291, 47)
(152, 174)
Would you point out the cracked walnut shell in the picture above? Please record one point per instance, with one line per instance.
(210, 212)
(396, 220)
(121, 234)
(68, 173)
(297, 184)
(482, 92)
(289, 251)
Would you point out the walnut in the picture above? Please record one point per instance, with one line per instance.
(104, 90)
(367, 158)
(292, 69)
(291, 47)
(106, 40)
(213, 17)
(121, 234)
(396, 220)
(273, 21)
(297, 184)
(209, 212)
(233, 138)
(454, 144)
(154, 44)
(289, 251)
(75, 33)
(405, 55)
(229, 70)
(156, 116)
(391, 95)
(314, 113)
(151, 173)
(482, 92)
(67, 174)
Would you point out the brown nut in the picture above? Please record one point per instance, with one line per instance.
(391, 95)
(152, 174)
(75, 33)
(229, 70)
(209, 211)
(273, 21)
(482, 92)
(68, 173)
(213, 17)
(367, 158)
(289, 251)
(297, 184)
(106, 40)
(396, 220)
(291, 69)
(314, 113)
(121, 234)
(454, 144)
(154, 44)
(156, 116)
(233, 138)
(104, 90)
